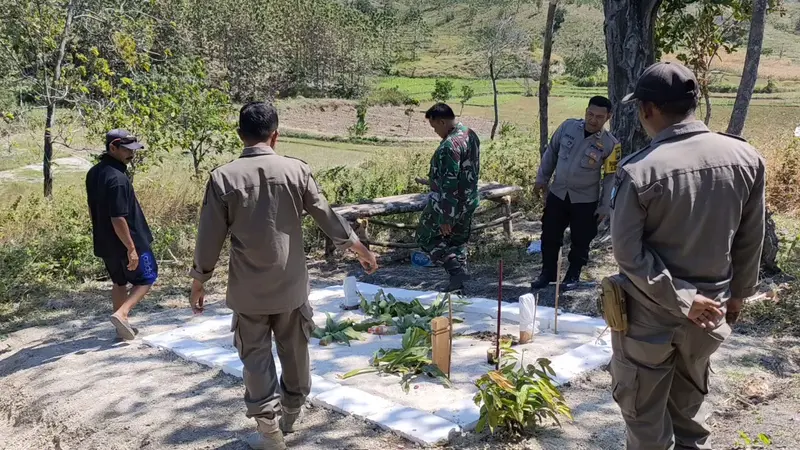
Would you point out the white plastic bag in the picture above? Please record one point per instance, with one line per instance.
(527, 323)
(351, 298)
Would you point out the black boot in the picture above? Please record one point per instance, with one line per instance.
(544, 280)
(572, 278)
(458, 275)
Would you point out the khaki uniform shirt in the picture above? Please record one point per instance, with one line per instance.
(688, 218)
(259, 198)
(580, 163)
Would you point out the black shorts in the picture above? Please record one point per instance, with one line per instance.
(144, 275)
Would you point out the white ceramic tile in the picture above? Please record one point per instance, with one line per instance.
(415, 425)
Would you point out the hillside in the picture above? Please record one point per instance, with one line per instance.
(446, 49)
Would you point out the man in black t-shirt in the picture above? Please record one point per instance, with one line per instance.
(119, 230)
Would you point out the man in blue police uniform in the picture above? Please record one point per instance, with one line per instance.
(120, 232)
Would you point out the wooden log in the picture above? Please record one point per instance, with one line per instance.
(497, 222)
(508, 227)
(399, 226)
(408, 203)
(408, 245)
(440, 341)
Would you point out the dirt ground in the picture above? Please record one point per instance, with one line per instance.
(334, 117)
(69, 385)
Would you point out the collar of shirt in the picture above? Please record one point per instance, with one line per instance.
(456, 129)
(113, 162)
(593, 135)
(257, 151)
(679, 129)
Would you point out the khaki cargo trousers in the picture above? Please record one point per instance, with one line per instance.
(265, 394)
(660, 372)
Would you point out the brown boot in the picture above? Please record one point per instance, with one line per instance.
(289, 417)
(268, 436)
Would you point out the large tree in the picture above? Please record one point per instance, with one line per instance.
(630, 46)
(630, 32)
(751, 63)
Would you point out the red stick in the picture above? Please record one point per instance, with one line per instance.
(499, 312)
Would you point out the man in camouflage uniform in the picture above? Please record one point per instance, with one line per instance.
(446, 223)
(583, 156)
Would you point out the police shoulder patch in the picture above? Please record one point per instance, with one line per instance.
(738, 138)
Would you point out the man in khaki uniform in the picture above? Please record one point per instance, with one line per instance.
(581, 154)
(687, 227)
(259, 199)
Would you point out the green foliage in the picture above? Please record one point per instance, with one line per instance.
(342, 332)
(392, 96)
(467, 92)
(515, 399)
(442, 91)
(387, 310)
(360, 128)
(409, 361)
(745, 442)
(585, 64)
(173, 108)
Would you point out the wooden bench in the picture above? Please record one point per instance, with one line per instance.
(362, 215)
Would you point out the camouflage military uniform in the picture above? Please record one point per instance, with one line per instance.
(453, 177)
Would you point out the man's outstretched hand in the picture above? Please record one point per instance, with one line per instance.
(198, 297)
(705, 312)
(365, 257)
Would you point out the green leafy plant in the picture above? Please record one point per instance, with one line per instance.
(466, 95)
(442, 91)
(746, 442)
(360, 128)
(336, 332)
(385, 307)
(409, 361)
(517, 398)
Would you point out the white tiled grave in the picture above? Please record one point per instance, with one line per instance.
(429, 413)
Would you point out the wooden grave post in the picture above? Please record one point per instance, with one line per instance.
(440, 339)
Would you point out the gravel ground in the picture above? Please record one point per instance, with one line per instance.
(68, 385)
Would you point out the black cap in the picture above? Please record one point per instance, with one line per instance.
(123, 138)
(664, 83)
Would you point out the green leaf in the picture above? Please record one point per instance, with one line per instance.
(764, 439)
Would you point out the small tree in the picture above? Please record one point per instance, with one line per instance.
(501, 42)
(697, 37)
(466, 95)
(360, 128)
(442, 91)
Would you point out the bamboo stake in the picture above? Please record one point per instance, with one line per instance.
(499, 312)
(558, 291)
(450, 358)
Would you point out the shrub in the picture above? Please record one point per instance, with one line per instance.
(360, 128)
(392, 96)
(518, 398)
(770, 88)
(585, 64)
(442, 91)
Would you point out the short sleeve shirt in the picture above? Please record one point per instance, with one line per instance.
(110, 193)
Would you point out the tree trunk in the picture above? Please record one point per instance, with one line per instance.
(51, 103)
(707, 98)
(630, 45)
(544, 78)
(48, 150)
(769, 256)
(493, 76)
(750, 72)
